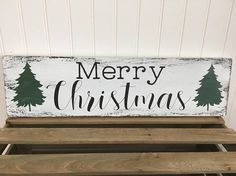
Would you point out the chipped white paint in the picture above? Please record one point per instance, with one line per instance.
(114, 86)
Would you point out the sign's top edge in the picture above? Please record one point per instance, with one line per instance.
(127, 57)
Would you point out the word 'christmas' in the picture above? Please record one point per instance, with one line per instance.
(91, 101)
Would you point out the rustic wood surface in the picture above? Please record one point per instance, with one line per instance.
(114, 120)
(117, 136)
(118, 164)
(107, 76)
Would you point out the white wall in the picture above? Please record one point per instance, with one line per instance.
(160, 28)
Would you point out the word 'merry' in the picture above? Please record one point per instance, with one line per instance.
(119, 72)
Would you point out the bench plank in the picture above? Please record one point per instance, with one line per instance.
(114, 120)
(119, 163)
(117, 136)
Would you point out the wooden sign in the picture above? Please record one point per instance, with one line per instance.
(70, 86)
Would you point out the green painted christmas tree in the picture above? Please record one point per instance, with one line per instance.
(27, 91)
(209, 92)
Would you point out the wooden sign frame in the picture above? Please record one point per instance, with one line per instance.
(78, 86)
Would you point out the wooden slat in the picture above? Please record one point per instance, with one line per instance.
(117, 136)
(114, 120)
(118, 164)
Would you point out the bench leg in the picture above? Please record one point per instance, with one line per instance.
(7, 149)
(222, 149)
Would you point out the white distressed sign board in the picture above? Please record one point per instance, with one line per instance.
(73, 86)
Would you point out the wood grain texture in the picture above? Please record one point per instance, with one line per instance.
(111, 120)
(116, 136)
(81, 20)
(118, 164)
(74, 93)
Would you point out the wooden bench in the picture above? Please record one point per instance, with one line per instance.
(138, 144)
(117, 146)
